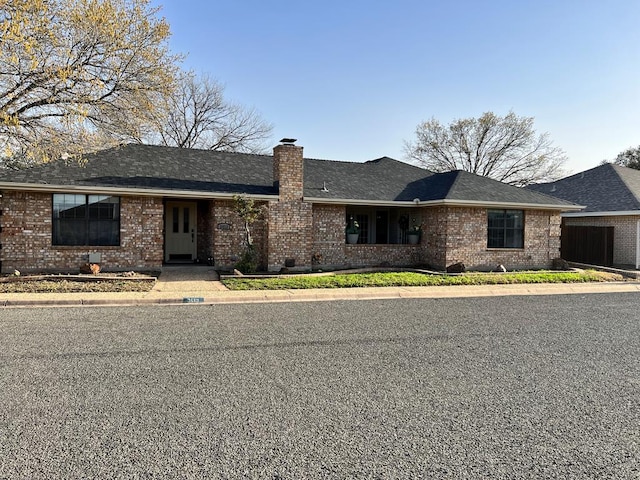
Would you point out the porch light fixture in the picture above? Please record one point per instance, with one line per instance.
(416, 201)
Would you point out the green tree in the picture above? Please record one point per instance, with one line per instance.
(629, 158)
(503, 148)
(78, 75)
(249, 213)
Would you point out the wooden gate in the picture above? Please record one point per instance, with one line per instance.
(592, 245)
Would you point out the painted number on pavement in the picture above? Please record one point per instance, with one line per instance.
(192, 300)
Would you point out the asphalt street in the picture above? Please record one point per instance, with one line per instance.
(502, 387)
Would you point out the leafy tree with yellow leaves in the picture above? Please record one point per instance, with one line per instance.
(78, 75)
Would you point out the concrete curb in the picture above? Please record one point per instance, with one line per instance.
(315, 295)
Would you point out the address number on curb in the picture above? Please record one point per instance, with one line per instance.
(193, 300)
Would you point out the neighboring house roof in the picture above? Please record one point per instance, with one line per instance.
(606, 188)
(168, 170)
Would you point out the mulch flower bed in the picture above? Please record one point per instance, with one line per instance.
(104, 282)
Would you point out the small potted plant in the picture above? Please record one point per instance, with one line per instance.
(353, 231)
(413, 235)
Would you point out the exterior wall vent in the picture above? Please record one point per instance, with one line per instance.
(95, 257)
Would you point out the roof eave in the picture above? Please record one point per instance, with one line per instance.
(519, 205)
(359, 202)
(446, 202)
(152, 192)
(142, 192)
(620, 213)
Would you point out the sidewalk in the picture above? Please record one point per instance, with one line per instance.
(200, 285)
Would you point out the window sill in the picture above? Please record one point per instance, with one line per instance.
(395, 245)
(505, 249)
(85, 247)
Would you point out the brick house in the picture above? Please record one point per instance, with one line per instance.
(611, 195)
(138, 207)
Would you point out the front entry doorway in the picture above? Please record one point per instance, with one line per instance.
(180, 232)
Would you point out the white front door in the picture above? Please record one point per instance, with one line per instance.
(181, 233)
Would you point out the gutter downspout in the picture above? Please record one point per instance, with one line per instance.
(637, 244)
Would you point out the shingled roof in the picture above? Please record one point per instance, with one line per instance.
(158, 168)
(606, 188)
(168, 169)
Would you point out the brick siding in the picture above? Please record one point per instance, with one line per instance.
(449, 235)
(289, 225)
(331, 250)
(328, 234)
(288, 172)
(26, 236)
(291, 230)
(228, 245)
(289, 219)
(460, 235)
(434, 237)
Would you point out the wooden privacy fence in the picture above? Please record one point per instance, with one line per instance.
(593, 245)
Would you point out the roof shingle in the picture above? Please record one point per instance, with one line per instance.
(168, 168)
(605, 188)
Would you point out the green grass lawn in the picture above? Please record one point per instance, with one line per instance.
(413, 279)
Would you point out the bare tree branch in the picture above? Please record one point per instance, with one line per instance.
(503, 148)
(198, 116)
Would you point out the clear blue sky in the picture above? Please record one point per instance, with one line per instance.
(352, 79)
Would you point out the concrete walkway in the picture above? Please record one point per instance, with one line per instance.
(200, 285)
(191, 280)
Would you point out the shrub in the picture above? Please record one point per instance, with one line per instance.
(248, 262)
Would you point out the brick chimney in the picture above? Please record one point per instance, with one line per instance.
(288, 173)
(290, 219)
